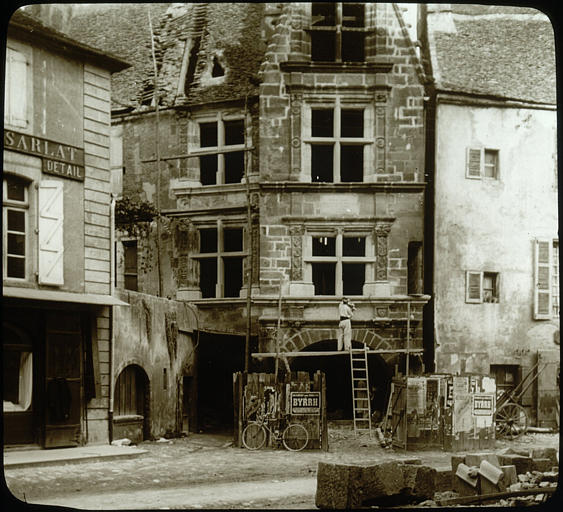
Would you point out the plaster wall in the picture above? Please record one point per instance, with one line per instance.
(157, 335)
(490, 225)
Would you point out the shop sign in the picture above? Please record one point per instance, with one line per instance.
(305, 402)
(58, 159)
(483, 404)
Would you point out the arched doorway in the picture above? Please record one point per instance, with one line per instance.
(338, 378)
(131, 405)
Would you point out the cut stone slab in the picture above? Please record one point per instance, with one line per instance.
(541, 465)
(509, 474)
(523, 464)
(514, 451)
(420, 481)
(475, 459)
(545, 453)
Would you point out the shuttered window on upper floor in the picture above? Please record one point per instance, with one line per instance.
(51, 243)
(482, 163)
(16, 89)
(546, 279)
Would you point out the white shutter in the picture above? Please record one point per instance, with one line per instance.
(473, 287)
(474, 163)
(51, 248)
(542, 280)
(16, 89)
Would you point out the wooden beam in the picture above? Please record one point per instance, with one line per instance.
(260, 355)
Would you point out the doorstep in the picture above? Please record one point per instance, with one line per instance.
(25, 458)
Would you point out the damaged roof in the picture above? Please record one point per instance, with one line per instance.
(217, 46)
(506, 53)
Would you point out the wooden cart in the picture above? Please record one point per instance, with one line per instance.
(511, 419)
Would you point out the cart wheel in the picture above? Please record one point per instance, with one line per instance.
(511, 421)
(253, 436)
(295, 437)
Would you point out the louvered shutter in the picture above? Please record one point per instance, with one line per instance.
(474, 164)
(15, 113)
(51, 248)
(474, 287)
(542, 284)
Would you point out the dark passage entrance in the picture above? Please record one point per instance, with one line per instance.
(219, 356)
(338, 380)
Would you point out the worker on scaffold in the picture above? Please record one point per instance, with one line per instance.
(346, 311)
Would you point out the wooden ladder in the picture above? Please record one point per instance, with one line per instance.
(360, 390)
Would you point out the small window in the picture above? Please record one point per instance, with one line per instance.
(482, 163)
(15, 228)
(130, 255)
(217, 69)
(482, 287)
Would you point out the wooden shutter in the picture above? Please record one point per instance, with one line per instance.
(474, 166)
(51, 247)
(542, 281)
(473, 286)
(15, 112)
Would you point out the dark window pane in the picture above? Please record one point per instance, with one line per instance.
(323, 46)
(353, 15)
(324, 246)
(353, 278)
(11, 367)
(16, 189)
(234, 167)
(323, 278)
(130, 253)
(323, 14)
(16, 267)
(130, 282)
(232, 239)
(354, 246)
(234, 132)
(208, 240)
(16, 220)
(353, 46)
(16, 244)
(208, 134)
(351, 163)
(322, 163)
(322, 122)
(208, 169)
(207, 277)
(232, 277)
(352, 123)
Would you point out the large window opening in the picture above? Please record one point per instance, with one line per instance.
(337, 144)
(337, 32)
(338, 264)
(221, 261)
(224, 139)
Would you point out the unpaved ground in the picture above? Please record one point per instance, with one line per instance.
(206, 471)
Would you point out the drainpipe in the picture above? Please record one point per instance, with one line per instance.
(112, 293)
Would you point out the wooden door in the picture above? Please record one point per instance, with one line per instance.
(398, 413)
(63, 390)
(547, 388)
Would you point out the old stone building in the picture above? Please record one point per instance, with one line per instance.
(289, 170)
(493, 149)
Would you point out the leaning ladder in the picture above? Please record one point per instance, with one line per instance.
(360, 390)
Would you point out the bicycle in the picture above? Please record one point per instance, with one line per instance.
(294, 436)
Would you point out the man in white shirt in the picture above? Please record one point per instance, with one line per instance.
(346, 311)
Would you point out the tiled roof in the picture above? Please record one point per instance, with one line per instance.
(506, 55)
(231, 30)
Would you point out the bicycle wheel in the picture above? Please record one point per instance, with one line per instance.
(253, 436)
(295, 437)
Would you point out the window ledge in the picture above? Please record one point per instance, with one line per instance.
(127, 418)
(304, 186)
(381, 65)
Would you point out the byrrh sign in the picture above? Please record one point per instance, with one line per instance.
(58, 159)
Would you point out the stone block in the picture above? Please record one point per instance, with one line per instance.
(420, 481)
(545, 453)
(523, 464)
(514, 451)
(509, 474)
(488, 487)
(541, 465)
(444, 480)
(475, 459)
(456, 461)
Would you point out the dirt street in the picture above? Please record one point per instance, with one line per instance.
(206, 471)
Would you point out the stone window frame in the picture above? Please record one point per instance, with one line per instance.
(194, 143)
(369, 259)
(220, 225)
(338, 102)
